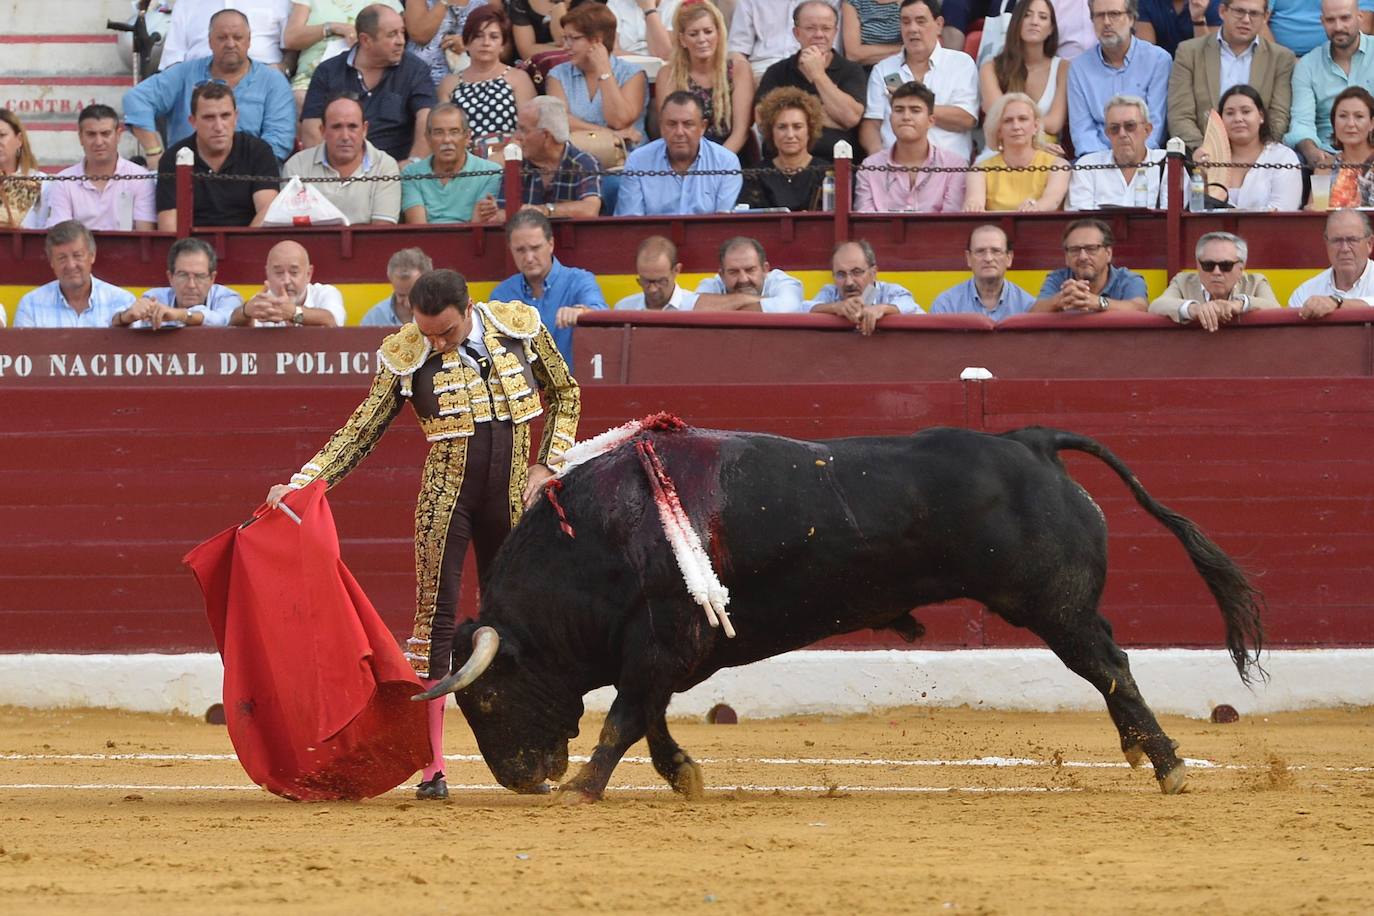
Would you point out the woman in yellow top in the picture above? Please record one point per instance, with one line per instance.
(1012, 126)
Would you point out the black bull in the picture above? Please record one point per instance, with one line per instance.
(812, 539)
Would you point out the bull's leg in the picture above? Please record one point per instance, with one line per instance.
(624, 725)
(672, 762)
(1084, 643)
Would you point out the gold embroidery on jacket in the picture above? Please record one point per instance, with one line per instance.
(440, 483)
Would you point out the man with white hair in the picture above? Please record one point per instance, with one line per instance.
(1120, 64)
(1349, 282)
(1138, 177)
(405, 267)
(556, 178)
(1220, 289)
(288, 297)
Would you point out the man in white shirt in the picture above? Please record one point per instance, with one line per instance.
(747, 284)
(761, 30)
(188, 30)
(644, 27)
(951, 75)
(656, 270)
(1350, 280)
(1127, 120)
(288, 297)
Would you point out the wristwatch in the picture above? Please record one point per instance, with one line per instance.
(1103, 303)
(1338, 299)
(603, 77)
(549, 208)
(298, 319)
(328, 29)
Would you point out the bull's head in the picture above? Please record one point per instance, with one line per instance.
(522, 721)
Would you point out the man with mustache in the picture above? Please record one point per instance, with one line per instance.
(466, 187)
(346, 154)
(857, 294)
(1347, 59)
(1120, 64)
(746, 283)
(1090, 282)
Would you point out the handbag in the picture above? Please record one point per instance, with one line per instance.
(604, 145)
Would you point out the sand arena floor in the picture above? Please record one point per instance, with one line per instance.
(915, 810)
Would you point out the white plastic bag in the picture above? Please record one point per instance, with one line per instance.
(301, 204)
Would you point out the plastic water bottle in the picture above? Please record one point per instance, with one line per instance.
(1142, 193)
(1197, 193)
(828, 192)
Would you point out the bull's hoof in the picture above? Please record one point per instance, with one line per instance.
(689, 782)
(1175, 781)
(569, 796)
(1135, 756)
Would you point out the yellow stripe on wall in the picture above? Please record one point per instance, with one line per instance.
(924, 285)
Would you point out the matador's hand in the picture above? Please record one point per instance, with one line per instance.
(539, 475)
(277, 494)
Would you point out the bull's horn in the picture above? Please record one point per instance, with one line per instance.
(485, 642)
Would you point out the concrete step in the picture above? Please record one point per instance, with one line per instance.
(61, 16)
(46, 98)
(61, 54)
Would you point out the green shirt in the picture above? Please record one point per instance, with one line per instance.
(451, 201)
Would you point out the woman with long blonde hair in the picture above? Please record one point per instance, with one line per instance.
(701, 65)
(17, 197)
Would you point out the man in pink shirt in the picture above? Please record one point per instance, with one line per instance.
(98, 201)
(913, 107)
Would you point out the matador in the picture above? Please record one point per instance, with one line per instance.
(472, 374)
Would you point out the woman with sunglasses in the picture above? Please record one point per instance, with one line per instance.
(1247, 128)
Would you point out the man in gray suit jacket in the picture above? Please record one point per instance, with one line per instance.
(1206, 67)
(1220, 290)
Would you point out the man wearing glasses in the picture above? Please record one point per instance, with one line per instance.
(857, 295)
(1206, 67)
(1091, 282)
(1137, 178)
(656, 270)
(988, 292)
(1349, 283)
(556, 178)
(193, 298)
(1220, 290)
(1119, 65)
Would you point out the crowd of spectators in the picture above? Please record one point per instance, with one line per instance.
(400, 111)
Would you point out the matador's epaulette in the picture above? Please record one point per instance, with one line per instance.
(403, 353)
(512, 319)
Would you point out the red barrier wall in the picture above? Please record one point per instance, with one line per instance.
(105, 482)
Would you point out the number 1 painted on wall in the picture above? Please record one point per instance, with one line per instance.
(596, 365)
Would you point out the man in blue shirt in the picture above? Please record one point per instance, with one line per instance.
(193, 298)
(685, 152)
(987, 292)
(266, 105)
(560, 293)
(857, 294)
(394, 87)
(405, 267)
(75, 299)
(1120, 64)
(1347, 59)
(1298, 24)
(1090, 282)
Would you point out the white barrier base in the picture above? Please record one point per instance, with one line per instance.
(1181, 681)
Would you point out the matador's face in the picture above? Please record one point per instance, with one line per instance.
(446, 330)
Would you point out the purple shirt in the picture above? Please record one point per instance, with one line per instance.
(910, 192)
(117, 206)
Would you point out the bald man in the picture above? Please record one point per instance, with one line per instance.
(288, 297)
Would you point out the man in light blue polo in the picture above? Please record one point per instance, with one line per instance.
(560, 293)
(405, 267)
(987, 292)
(684, 151)
(266, 106)
(1346, 59)
(193, 298)
(746, 282)
(1120, 64)
(466, 187)
(75, 299)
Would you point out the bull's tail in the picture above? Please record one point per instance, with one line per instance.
(1241, 603)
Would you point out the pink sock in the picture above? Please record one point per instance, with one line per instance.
(436, 732)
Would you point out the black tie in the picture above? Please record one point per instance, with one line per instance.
(483, 364)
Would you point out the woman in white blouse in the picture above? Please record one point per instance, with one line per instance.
(1247, 128)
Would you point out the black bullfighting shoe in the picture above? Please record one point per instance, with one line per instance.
(435, 788)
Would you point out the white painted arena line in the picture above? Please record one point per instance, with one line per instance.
(493, 787)
(1194, 763)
